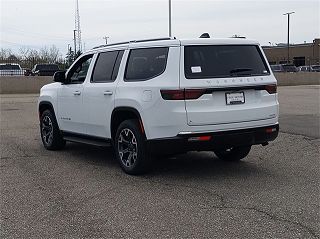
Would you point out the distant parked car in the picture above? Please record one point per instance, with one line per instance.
(284, 68)
(277, 68)
(290, 68)
(313, 68)
(44, 69)
(27, 71)
(11, 69)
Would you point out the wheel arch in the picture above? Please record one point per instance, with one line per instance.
(120, 114)
(46, 105)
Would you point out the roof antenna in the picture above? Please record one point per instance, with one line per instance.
(205, 35)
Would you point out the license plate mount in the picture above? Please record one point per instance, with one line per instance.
(235, 98)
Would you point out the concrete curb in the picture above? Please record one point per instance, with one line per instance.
(33, 84)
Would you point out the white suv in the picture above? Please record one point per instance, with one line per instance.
(164, 96)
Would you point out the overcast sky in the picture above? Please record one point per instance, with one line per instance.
(36, 23)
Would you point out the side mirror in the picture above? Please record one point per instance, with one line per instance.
(59, 76)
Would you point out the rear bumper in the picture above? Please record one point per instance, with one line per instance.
(213, 140)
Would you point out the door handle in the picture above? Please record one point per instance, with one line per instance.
(108, 93)
(77, 92)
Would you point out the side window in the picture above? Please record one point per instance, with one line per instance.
(104, 67)
(79, 71)
(144, 64)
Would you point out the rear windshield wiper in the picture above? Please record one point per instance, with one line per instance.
(237, 70)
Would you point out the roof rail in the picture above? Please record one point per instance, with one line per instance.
(113, 44)
(136, 41)
(153, 39)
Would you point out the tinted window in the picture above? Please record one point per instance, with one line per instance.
(104, 67)
(144, 64)
(223, 61)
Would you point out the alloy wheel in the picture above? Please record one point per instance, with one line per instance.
(127, 147)
(47, 130)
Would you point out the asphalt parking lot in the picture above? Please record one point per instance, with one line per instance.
(80, 192)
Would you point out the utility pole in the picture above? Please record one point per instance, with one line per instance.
(75, 43)
(169, 18)
(106, 38)
(288, 40)
(77, 27)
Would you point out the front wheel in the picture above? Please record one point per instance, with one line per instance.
(50, 132)
(233, 153)
(129, 144)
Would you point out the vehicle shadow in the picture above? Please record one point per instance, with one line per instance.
(192, 164)
(203, 164)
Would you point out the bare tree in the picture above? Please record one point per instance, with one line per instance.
(54, 54)
(24, 52)
(5, 53)
(44, 54)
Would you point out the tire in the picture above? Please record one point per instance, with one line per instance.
(233, 153)
(50, 133)
(130, 148)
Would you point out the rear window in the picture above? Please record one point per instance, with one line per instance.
(223, 61)
(145, 64)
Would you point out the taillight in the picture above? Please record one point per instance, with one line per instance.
(272, 89)
(183, 94)
(172, 94)
(271, 130)
(193, 94)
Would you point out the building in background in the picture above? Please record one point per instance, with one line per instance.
(300, 54)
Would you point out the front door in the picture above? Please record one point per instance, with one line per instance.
(70, 99)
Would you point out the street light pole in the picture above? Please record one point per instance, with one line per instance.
(169, 18)
(288, 40)
(106, 38)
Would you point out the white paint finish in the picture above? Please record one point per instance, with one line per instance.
(211, 109)
(147, 96)
(70, 109)
(218, 41)
(70, 113)
(98, 102)
(155, 113)
(91, 111)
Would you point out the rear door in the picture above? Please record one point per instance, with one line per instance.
(99, 93)
(227, 84)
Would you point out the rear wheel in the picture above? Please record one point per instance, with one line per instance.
(130, 148)
(233, 153)
(50, 132)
